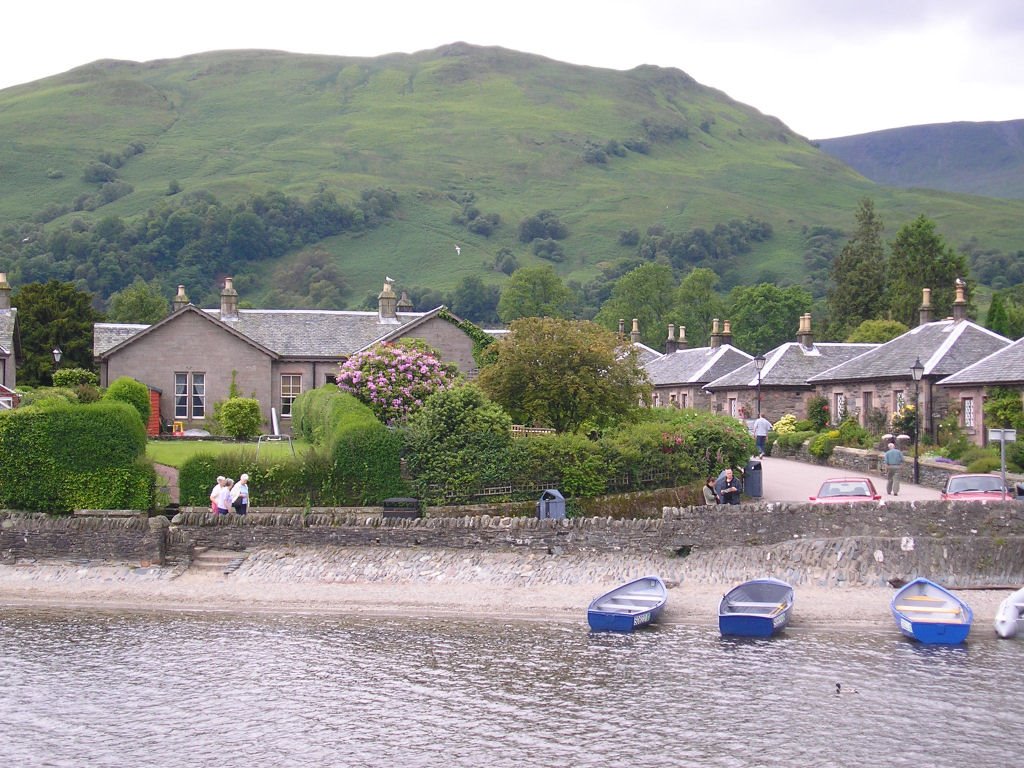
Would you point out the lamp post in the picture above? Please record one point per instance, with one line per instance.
(917, 371)
(759, 364)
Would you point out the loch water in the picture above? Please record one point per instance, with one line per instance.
(106, 688)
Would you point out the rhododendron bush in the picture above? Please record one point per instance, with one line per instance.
(394, 379)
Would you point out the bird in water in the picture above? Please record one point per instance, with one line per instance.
(839, 689)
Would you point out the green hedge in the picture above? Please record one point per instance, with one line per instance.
(356, 460)
(58, 457)
(128, 390)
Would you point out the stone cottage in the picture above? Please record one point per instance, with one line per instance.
(782, 385)
(10, 347)
(680, 374)
(192, 357)
(879, 382)
(968, 388)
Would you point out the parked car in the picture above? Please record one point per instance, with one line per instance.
(846, 490)
(976, 488)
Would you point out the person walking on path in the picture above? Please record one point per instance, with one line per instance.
(893, 460)
(220, 498)
(761, 429)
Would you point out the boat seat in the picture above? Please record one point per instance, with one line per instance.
(628, 602)
(925, 609)
(756, 605)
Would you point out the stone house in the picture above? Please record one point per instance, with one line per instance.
(879, 382)
(968, 388)
(193, 356)
(680, 374)
(783, 385)
(10, 347)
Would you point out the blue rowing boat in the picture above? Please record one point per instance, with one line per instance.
(756, 608)
(629, 606)
(928, 613)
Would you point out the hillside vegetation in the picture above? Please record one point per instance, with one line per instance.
(973, 158)
(471, 140)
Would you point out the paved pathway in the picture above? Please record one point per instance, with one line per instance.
(170, 474)
(788, 480)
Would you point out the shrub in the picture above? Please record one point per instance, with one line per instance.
(818, 413)
(903, 421)
(984, 464)
(317, 413)
(62, 457)
(135, 393)
(72, 377)
(853, 435)
(394, 379)
(240, 417)
(786, 424)
(976, 452)
(822, 444)
(710, 440)
(793, 440)
(573, 463)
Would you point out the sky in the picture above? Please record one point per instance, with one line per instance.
(826, 68)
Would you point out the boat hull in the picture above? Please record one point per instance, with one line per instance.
(756, 608)
(929, 613)
(629, 606)
(1010, 615)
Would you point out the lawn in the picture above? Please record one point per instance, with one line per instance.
(174, 453)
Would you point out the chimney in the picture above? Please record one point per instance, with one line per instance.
(622, 328)
(386, 303)
(5, 292)
(960, 305)
(180, 301)
(726, 339)
(681, 343)
(804, 335)
(716, 336)
(634, 335)
(229, 301)
(925, 313)
(404, 303)
(670, 342)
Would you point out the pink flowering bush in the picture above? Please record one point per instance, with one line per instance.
(394, 379)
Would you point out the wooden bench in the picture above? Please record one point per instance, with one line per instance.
(757, 605)
(925, 609)
(636, 603)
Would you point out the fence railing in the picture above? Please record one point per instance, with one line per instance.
(519, 430)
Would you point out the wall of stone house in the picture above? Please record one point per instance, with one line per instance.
(955, 397)
(685, 397)
(934, 402)
(454, 344)
(189, 343)
(775, 402)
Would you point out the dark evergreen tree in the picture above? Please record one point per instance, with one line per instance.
(857, 290)
(920, 258)
(50, 315)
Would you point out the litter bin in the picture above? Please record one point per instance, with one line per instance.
(752, 479)
(551, 505)
(401, 508)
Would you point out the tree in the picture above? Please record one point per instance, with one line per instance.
(764, 315)
(394, 379)
(1006, 313)
(140, 302)
(876, 332)
(472, 300)
(697, 303)
(920, 258)
(858, 286)
(564, 373)
(534, 292)
(53, 314)
(646, 294)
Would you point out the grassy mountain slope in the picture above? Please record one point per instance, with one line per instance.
(511, 129)
(974, 158)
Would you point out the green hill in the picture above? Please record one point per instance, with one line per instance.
(460, 126)
(973, 158)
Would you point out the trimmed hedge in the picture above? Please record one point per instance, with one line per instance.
(60, 457)
(128, 390)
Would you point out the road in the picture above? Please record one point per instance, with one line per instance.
(787, 480)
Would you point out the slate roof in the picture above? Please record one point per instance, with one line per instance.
(8, 317)
(695, 366)
(943, 347)
(289, 333)
(1004, 367)
(790, 365)
(644, 354)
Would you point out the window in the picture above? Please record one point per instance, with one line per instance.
(732, 407)
(189, 396)
(291, 387)
(682, 400)
(898, 400)
(839, 413)
(330, 378)
(672, 400)
(967, 411)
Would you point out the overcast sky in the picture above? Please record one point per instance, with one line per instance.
(824, 67)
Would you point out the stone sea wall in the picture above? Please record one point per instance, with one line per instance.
(855, 544)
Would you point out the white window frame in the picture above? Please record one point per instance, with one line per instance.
(289, 391)
(899, 400)
(838, 405)
(189, 395)
(967, 411)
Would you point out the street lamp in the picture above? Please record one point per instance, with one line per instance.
(759, 364)
(56, 355)
(917, 371)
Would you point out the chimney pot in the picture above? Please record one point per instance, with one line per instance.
(229, 300)
(634, 335)
(387, 303)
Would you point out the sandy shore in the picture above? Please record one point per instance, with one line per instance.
(128, 588)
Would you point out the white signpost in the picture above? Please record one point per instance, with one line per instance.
(1004, 436)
